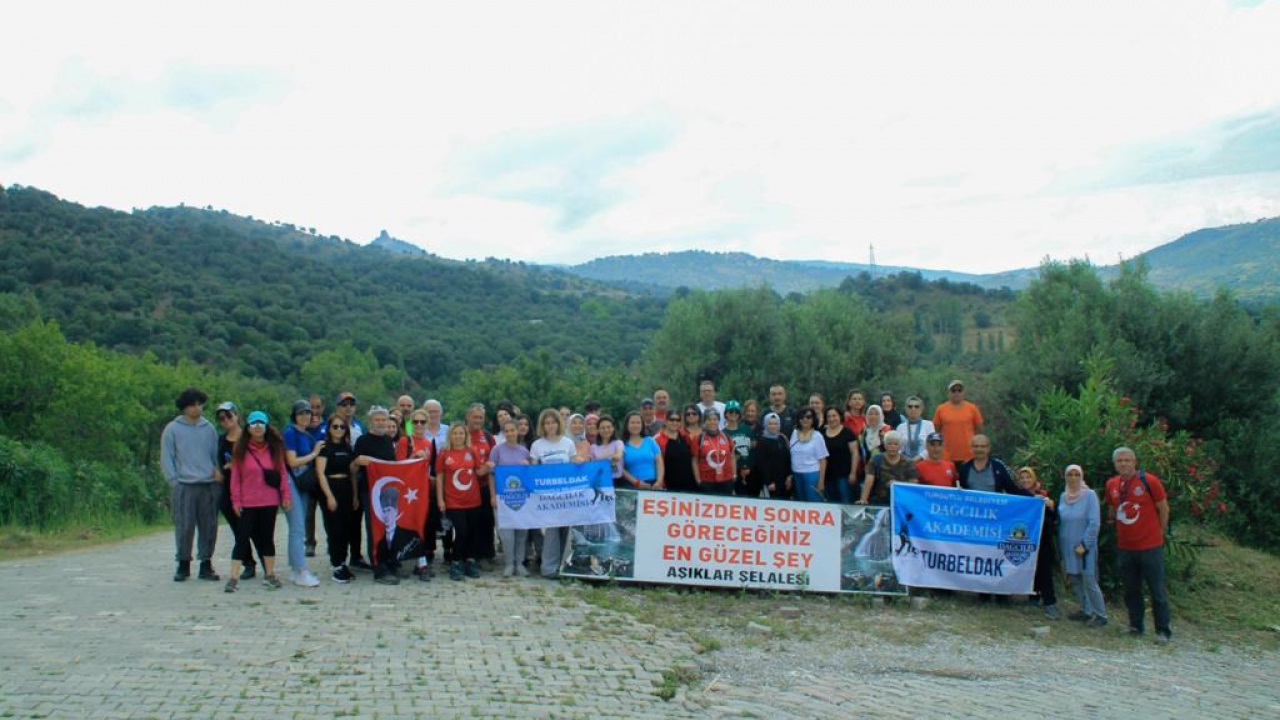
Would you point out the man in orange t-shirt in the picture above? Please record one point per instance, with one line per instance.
(958, 420)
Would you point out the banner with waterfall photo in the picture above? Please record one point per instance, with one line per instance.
(685, 539)
(956, 539)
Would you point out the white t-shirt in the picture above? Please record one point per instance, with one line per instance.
(926, 427)
(547, 452)
(715, 405)
(806, 456)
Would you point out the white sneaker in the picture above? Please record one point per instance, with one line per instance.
(305, 578)
(521, 571)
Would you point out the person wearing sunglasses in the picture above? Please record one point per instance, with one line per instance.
(301, 450)
(189, 461)
(915, 430)
(418, 445)
(339, 505)
(677, 453)
(346, 403)
(228, 417)
(958, 420)
(258, 491)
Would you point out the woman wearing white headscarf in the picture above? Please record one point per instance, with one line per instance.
(1079, 518)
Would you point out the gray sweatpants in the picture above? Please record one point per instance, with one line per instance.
(195, 508)
(554, 541)
(514, 546)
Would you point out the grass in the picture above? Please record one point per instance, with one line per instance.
(1232, 599)
(17, 542)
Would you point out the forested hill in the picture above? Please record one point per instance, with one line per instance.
(1242, 258)
(260, 299)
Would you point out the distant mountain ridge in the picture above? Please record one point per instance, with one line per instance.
(1243, 258)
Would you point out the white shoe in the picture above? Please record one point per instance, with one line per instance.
(521, 571)
(305, 578)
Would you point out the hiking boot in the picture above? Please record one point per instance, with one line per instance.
(249, 572)
(424, 574)
(1080, 616)
(231, 586)
(183, 572)
(272, 582)
(455, 570)
(1096, 621)
(1051, 612)
(342, 575)
(471, 570)
(206, 571)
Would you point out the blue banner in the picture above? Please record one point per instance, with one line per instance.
(965, 539)
(560, 495)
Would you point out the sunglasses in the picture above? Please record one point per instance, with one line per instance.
(338, 426)
(691, 414)
(347, 403)
(419, 422)
(913, 407)
(257, 423)
(957, 390)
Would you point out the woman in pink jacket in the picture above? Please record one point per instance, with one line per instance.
(257, 493)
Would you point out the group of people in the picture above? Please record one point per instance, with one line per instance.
(813, 453)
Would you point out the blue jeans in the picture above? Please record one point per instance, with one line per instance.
(806, 485)
(296, 516)
(837, 490)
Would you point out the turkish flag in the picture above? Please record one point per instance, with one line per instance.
(399, 497)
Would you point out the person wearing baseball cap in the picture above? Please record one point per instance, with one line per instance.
(933, 469)
(346, 404)
(648, 414)
(743, 445)
(958, 420)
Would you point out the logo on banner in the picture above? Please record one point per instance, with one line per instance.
(514, 496)
(1018, 547)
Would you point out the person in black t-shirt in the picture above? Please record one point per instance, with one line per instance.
(373, 445)
(338, 500)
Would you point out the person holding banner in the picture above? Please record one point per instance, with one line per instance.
(577, 433)
(934, 470)
(716, 467)
(642, 465)
(1079, 518)
(608, 447)
(415, 446)
(553, 447)
(373, 445)
(885, 469)
(458, 495)
(1046, 592)
(983, 472)
(1140, 509)
(808, 457)
(514, 542)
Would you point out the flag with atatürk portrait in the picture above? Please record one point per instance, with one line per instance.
(399, 497)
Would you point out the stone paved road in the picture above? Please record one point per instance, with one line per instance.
(104, 633)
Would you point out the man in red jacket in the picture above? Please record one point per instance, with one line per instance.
(1140, 513)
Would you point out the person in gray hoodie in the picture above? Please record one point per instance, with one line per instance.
(189, 461)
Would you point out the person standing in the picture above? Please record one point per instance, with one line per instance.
(404, 408)
(715, 467)
(933, 470)
(707, 401)
(843, 458)
(885, 469)
(744, 442)
(874, 428)
(317, 429)
(889, 405)
(301, 451)
(458, 494)
(436, 430)
(959, 421)
(914, 429)
(772, 470)
(228, 417)
(551, 448)
(677, 454)
(514, 542)
(778, 406)
(808, 457)
(1140, 513)
(258, 490)
(1079, 519)
(983, 472)
(346, 404)
(1046, 561)
(855, 409)
(751, 415)
(482, 443)
(607, 446)
(189, 461)
(419, 446)
(641, 457)
(661, 406)
(648, 416)
(338, 499)
(373, 445)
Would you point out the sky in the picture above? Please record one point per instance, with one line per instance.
(978, 136)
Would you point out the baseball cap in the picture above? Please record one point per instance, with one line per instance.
(344, 396)
(732, 406)
(257, 416)
(934, 438)
(228, 406)
(301, 406)
(951, 385)
(647, 401)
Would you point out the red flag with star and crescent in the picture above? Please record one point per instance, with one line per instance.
(399, 497)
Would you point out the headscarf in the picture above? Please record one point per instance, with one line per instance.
(764, 427)
(580, 437)
(1038, 489)
(874, 430)
(586, 422)
(1083, 484)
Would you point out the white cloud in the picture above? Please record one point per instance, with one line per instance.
(977, 137)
